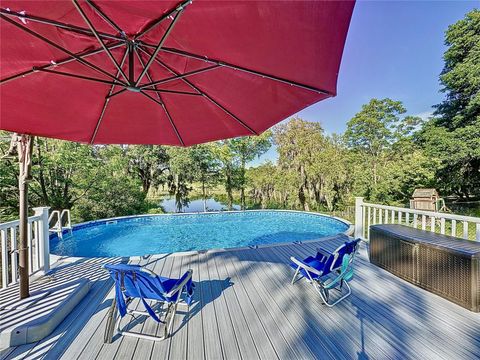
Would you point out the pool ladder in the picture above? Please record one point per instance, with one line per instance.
(59, 221)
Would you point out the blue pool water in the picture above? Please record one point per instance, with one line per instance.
(172, 233)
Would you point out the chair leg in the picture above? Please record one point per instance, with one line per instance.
(349, 291)
(295, 275)
(169, 317)
(140, 335)
(324, 294)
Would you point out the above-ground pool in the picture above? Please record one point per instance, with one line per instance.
(159, 234)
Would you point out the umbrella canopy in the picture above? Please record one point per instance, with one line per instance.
(164, 72)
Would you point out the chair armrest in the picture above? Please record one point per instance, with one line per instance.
(324, 252)
(180, 283)
(305, 266)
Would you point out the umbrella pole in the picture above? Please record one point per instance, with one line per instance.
(24, 148)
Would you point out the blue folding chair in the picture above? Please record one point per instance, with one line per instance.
(136, 282)
(327, 271)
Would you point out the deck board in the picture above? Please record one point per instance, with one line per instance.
(245, 308)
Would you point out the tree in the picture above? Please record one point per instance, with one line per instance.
(453, 135)
(297, 143)
(460, 77)
(263, 181)
(181, 174)
(376, 134)
(63, 172)
(206, 168)
(115, 192)
(149, 163)
(229, 169)
(244, 150)
(8, 180)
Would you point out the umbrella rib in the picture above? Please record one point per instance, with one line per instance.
(159, 46)
(241, 68)
(95, 33)
(116, 93)
(61, 48)
(179, 7)
(173, 92)
(107, 99)
(104, 16)
(181, 76)
(204, 94)
(61, 62)
(168, 115)
(65, 26)
(164, 106)
(169, 69)
(77, 76)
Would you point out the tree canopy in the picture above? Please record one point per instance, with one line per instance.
(383, 155)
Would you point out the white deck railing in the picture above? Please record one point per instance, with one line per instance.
(366, 214)
(38, 246)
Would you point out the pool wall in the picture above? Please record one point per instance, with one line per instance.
(54, 257)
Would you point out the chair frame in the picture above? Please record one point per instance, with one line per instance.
(323, 287)
(168, 317)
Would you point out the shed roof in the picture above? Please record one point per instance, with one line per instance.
(424, 193)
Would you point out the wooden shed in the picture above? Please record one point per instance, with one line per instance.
(426, 199)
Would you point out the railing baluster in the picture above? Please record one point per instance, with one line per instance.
(433, 220)
(442, 226)
(454, 227)
(3, 236)
(465, 229)
(407, 218)
(13, 255)
(374, 216)
(368, 222)
(400, 217)
(424, 222)
(363, 222)
(477, 232)
(37, 245)
(392, 217)
(415, 220)
(380, 211)
(29, 241)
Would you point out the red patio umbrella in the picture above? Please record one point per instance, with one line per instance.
(164, 72)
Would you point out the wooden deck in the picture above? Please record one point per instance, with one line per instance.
(245, 308)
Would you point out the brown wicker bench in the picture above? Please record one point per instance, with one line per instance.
(445, 265)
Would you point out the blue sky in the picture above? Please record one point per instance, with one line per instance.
(394, 49)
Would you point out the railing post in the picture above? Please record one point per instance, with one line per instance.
(359, 231)
(43, 238)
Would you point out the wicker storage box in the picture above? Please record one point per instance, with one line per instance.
(445, 265)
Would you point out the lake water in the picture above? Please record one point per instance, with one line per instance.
(168, 204)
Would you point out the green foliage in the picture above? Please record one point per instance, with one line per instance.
(8, 181)
(149, 163)
(378, 137)
(383, 155)
(375, 127)
(461, 74)
(233, 155)
(453, 136)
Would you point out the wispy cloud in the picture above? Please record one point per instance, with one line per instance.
(425, 115)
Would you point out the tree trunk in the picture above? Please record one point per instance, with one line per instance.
(242, 187)
(204, 195)
(228, 188)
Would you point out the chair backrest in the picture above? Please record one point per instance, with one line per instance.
(335, 259)
(133, 279)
